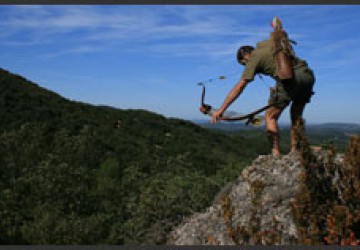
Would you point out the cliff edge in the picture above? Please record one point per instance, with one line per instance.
(309, 197)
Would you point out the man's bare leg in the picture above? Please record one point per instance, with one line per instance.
(296, 112)
(272, 115)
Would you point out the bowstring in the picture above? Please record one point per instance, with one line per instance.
(226, 76)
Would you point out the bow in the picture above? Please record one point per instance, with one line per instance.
(250, 118)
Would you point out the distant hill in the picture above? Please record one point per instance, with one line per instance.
(228, 126)
(75, 173)
(232, 126)
(334, 133)
(22, 101)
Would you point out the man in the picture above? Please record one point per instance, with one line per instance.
(297, 90)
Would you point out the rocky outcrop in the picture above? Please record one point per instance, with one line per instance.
(258, 208)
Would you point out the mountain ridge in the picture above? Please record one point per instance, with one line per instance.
(116, 171)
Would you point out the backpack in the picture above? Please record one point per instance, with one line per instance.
(282, 51)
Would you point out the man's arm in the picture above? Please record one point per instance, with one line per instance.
(231, 97)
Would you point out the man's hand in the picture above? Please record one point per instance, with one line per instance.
(203, 110)
(234, 93)
(216, 116)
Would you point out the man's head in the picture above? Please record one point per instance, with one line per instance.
(243, 54)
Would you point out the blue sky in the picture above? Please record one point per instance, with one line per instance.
(151, 57)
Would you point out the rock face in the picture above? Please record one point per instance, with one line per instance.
(255, 209)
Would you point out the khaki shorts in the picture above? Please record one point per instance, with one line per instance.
(299, 89)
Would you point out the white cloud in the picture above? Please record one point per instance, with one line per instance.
(34, 25)
(78, 50)
(175, 30)
(120, 22)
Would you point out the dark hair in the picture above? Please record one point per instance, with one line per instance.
(242, 51)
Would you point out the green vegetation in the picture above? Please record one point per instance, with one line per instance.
(324, 213)
(74, 173)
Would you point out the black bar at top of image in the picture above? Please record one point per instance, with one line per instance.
(181, 2)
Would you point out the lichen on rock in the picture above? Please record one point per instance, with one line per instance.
(282, 201)
(257, 202)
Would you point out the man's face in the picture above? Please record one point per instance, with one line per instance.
(243, 62)
(245, 59)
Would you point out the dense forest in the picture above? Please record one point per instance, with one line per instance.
(75, 173)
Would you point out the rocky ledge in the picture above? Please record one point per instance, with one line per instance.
(258, 208)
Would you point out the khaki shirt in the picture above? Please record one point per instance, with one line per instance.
(262, 61)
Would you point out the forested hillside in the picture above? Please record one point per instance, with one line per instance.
(74, 173)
